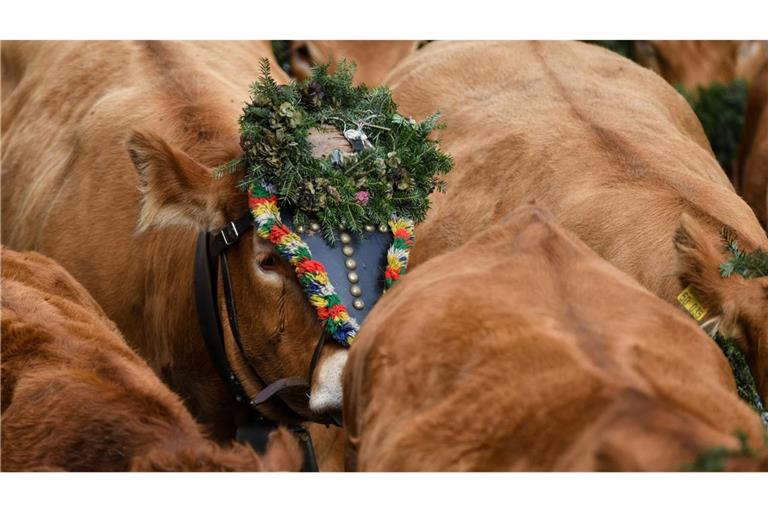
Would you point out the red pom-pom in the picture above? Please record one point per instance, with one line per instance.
(402, 233)
(254, 201)
(392, 274)
(277, 233)
(336, 310)
(309, 266)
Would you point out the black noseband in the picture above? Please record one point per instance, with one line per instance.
(210, 250)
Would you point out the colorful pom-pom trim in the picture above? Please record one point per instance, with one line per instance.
(311, 273)
(397, 255)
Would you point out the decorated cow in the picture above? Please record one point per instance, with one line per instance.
(238, 260)
(617, 156)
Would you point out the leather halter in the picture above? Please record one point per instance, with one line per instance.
(210, 251)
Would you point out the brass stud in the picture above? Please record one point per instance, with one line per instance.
(350, 264)
(383, 228)
(345, 238)
(355, 290)
(358, 304)
(314, 226)
(369, 228)
(301, 229)
(353, 277)
(348, 250)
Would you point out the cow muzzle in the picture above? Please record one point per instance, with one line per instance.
(326, 393)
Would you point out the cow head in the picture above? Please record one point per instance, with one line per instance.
(694, 63)
(374, 59)
(278, 327)
(741, 304)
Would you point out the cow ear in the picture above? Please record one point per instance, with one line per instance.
(646, 55)
(301, 59)
(700, 256)
(750, 56)
(176, 189)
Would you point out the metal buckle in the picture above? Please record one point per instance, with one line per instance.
(224, 234)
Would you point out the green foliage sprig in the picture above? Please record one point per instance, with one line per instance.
(720, 109)
(717, 457)
(745, 383)
(393, 170)
(748, 265)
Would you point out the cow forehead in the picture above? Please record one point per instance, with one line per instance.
(355, 263)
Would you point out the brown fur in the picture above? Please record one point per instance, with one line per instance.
(740, 304)
(694, 63)
(756, 462)
(753, 159)
(374, 59)
(75, 397)
(608, 147)
(108, 149)
(527, 351)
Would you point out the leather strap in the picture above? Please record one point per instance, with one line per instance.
(206, 271)
(209, 250)
(230, 234)
(278, 386)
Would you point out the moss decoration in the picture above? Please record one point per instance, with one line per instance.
(392, 171)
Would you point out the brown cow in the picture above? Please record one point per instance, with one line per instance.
(75, 397)
(374, 59)
(529, 352)
(608, 147)
(699, 63)
(108, 149)
(753, 158)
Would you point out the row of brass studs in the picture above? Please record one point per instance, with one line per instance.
(313, 228)
(348, 251)
(350, 263)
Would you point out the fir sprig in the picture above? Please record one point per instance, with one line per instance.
(720, 109)
(748, 265)
(393, 170)
(745, 383)
(717, 457)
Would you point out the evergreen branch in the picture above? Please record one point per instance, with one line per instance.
(227, 168)
(748, 265)
(745, 382)
(391, 175)
(716, 458)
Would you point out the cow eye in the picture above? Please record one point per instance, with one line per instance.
(269, 262)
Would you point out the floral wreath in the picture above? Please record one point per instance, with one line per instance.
(385, 181)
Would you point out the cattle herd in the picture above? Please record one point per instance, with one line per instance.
(560, 300)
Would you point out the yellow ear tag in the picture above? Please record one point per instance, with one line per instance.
(691, 303)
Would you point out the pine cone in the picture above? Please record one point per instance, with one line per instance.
(312, 96)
